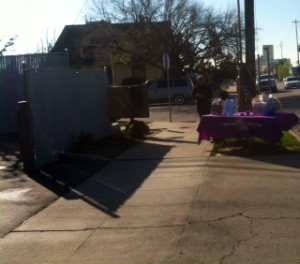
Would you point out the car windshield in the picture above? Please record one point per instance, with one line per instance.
(267, 81)
(264, 82)
(265, 76)
(292, 79)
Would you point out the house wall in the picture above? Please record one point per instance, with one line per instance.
(90, 46)
(121, 72)
(124, 71)
(153, 72)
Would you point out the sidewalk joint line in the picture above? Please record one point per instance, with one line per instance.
(95, 229)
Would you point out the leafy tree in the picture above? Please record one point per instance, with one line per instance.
(198, 36)
(283, 69)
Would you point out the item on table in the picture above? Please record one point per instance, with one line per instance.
(216, 106)
(266, 104)
(273, 106)
(228, 107)
(259, 108)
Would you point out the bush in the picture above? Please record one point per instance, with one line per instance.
(137, 129)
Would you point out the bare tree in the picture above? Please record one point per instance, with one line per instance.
(9, 43)
(45, 45)
(198, 36)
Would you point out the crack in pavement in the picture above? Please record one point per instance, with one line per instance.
(271, 218)
(251, 231)
(236, 243)
(245, 216)
(239, 242)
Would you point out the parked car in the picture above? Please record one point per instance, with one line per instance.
(263, 84)
(180, 90)
(291, 82)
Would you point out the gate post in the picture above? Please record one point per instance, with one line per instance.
(26, 136)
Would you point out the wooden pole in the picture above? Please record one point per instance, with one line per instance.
(250, 46)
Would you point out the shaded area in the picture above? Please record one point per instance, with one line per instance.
(116, 183)
(88, 158)
(286, 153)
(67, 175)
(61, 176)
(254, 146)
(64, 174)
(10, 155)
(109, 148)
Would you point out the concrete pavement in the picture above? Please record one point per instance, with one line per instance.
(167, 201)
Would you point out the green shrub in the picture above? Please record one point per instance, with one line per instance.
(256, 146)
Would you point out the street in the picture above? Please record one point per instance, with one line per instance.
(290, 100)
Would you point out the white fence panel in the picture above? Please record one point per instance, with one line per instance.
(66, 102)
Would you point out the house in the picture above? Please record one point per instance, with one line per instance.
(116, 48)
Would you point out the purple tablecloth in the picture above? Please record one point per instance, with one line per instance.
(241, 126)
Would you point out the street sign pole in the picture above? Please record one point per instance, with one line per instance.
(166, 64)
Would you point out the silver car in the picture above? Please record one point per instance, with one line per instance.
(291, 82)
(180, 90)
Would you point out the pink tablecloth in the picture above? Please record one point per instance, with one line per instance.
(241, 126)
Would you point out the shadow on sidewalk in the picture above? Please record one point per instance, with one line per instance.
(111, 187)
(68, 178)
(10, 155)
(106, 192)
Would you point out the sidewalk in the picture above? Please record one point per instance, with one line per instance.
(168, 201)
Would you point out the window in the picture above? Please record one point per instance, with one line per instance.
(180, 83)
(163, 84)
(293, 79)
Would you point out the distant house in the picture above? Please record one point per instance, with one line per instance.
(107, 46)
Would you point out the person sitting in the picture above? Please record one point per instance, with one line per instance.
(224, 95)
(218, 102)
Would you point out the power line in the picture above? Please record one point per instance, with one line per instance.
(17, 16)
(83, 6)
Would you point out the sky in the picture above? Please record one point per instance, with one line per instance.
(273, 23)
(35, 21)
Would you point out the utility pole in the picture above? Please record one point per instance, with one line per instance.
(298, 49)
(247, 78)
(250, 45)
(240, 95)
(258, 73)
(281, 45)
(267, 49)
(240, 47)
